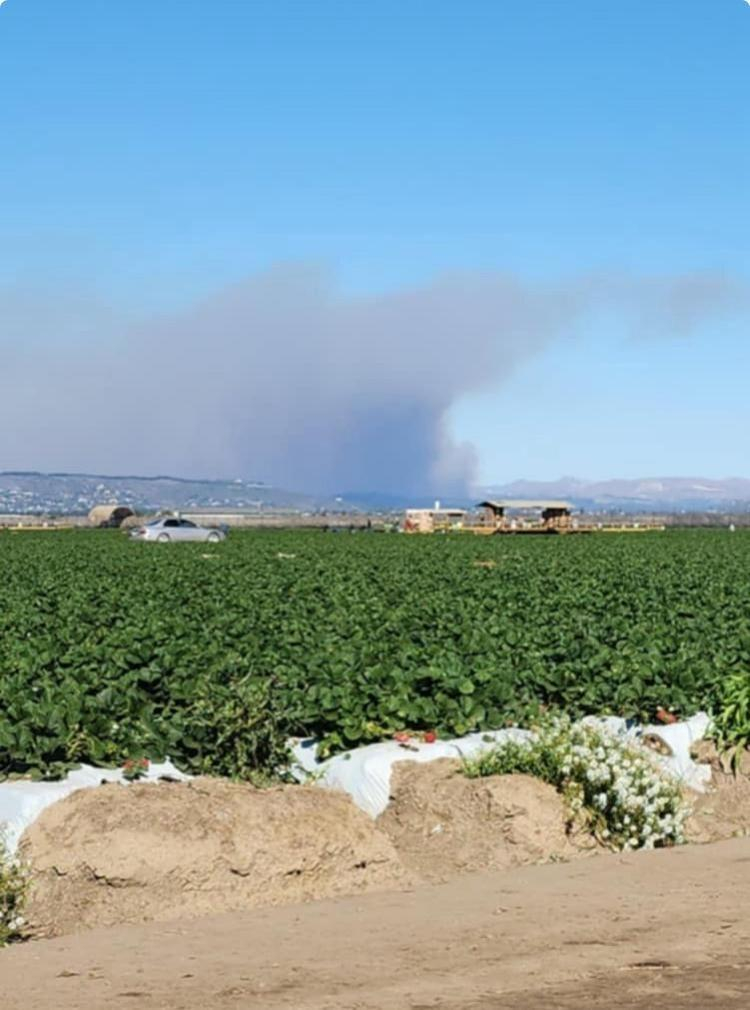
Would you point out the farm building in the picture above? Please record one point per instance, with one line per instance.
(434, 520)
(109, 515)
(556, 516)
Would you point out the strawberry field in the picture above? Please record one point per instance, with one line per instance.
(112, 650)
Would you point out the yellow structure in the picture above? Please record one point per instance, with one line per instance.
(434, 520)
(518, 515)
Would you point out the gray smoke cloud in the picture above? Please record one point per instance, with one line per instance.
(284, 378)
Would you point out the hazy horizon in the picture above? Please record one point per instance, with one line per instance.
(696, 487)
(403, 248)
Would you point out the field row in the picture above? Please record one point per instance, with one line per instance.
(111, 649)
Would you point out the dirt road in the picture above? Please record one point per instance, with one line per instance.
(668, 929)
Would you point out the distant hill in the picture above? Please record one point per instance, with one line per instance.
(30, 492)
(75, 493)
(669, 494)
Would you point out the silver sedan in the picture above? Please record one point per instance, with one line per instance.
(167, 529)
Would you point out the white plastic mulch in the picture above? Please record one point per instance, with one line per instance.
(364, 773)
(21, 801)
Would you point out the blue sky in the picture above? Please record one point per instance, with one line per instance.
(152, 153)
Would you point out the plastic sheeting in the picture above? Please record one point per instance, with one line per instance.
(21, 800)
(678, 737)
(365, 773)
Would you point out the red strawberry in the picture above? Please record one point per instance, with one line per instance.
(430, 736)
(663, 716)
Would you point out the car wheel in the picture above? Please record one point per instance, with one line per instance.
(163, 538)
(213, 538)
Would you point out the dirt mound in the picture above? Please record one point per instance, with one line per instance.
(442, 823)
(722, 812)
(144, 852)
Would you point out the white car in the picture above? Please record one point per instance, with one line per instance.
(165, 529)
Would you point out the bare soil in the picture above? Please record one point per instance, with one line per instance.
(183, 850)
(442, 824)
(637, 931)
(187, 875)
(724, 811)
(179, 850)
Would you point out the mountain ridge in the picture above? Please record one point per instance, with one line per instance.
(642, 492)
(34, 491)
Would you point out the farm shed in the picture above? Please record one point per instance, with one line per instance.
(109, 515)
(556, 515)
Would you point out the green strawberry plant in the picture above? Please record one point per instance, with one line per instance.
(112, 650)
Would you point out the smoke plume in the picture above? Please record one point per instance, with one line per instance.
(284, 378)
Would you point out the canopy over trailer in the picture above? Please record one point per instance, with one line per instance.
(556, 515)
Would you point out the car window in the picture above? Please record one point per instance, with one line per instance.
(172, 522)
(186, 522)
